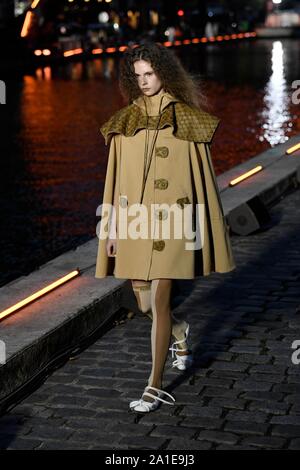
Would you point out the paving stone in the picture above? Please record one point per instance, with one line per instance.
(188, 444)
(294, 444)
(265, 442)
(262, 396)
(50, 432)
(220, 437)
(269, 407)
(268, 378)
(287, 388)
(246, 349)
(139, 442)
(268, 369)
(250, 416)
(235, 447)
(61, 400)
(285, 430)
(237, 404)
(20, 443)
(231, 366)
(212, 382)
(242, 427)
(250, 384)
(228, 374)
(219, 392)
(203, 411)
(253, 359)
(170, 431)
(290, 419)
(205, 423)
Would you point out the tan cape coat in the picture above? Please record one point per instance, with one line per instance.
(181, 172)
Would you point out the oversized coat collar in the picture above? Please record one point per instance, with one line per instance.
(189, 123)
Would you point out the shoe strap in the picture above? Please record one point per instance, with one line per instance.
(174, 348)
(142, 402)
(180, 360)
(157, 397)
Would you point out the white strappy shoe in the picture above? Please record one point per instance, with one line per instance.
(145, 406)
(182, 362)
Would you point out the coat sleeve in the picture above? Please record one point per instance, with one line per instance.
(105, 264)
(216, 246)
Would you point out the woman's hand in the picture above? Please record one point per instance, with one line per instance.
(111, 247)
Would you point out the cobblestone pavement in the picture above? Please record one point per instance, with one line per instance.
(243, 392)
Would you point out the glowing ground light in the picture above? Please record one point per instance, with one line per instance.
(79, 50)
(245, 175)
(293, 149)
(35, 4)
(26, 24)
(38, 294)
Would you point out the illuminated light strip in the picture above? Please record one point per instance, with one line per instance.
(26, 24)
(39, 293)
(166, 43)
(73, 52)
(293, 149)
(35, 4)
(245, 175)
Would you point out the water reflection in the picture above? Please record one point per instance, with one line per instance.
(276, 117)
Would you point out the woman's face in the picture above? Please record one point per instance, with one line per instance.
(148, 81)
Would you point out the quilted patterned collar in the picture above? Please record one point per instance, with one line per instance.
(189, 123)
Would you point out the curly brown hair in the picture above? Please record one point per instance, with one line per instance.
(180, 83)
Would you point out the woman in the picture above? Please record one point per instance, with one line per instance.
(160, 168)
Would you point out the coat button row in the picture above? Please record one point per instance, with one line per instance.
(161, 183)
(161, 152)
(158, 245)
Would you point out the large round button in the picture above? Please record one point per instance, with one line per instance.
(161, 183)
(158, 245)
(162, 152)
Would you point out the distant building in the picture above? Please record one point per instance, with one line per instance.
(283, 19)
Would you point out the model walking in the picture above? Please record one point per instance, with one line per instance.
(159, 156)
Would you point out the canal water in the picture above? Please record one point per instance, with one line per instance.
(53, 157)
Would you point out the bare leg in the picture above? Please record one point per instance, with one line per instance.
(142, 291)
(160, 331)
